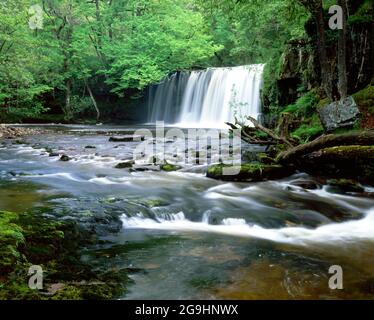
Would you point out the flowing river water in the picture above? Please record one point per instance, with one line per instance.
(184, 236)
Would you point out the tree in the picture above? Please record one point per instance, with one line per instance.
(342, 53)
(315, 7)
(148, 40)
(23, 67)
(62, 25)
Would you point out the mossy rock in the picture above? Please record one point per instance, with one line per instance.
(248, 172)
(346, 185)
(30, 239)
(152, 203)
(169, 167)
(349, 162)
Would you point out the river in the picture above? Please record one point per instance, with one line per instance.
(184, 236)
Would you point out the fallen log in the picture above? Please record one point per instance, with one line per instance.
(340, 162)
(365, 138)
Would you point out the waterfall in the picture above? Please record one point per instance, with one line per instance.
(207, 98)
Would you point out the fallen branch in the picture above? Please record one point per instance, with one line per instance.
(270, 133)
(248, 138)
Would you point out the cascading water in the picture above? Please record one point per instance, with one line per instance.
(207, 98)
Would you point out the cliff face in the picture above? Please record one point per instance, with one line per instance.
(300, 69)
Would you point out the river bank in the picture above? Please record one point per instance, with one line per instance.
(33, 239)
(11, 132)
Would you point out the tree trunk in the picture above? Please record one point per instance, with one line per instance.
(328, 141)
(99, 26)
(342, 54)
(321, 45)
(93, 101)
(372, 40)
(68, 113)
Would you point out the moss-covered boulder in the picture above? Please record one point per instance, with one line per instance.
(350, 162)
(250, 172)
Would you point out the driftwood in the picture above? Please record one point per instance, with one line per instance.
(270, 133)
(274, 137)
(365, 138)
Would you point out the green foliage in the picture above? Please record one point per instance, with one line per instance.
(304, 106)
(123, 46)
(155, 43)
(363, 14)
(10, 238)
(309, 130)
(365, 99)
(80, 105)
(22, 64)
(253, 31)
(307, 133)
(128, 44)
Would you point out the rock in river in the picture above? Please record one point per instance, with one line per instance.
(128, 138)
(65, 158)
(250, 172)
(125, 164)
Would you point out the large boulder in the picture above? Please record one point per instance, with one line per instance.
(340, 114)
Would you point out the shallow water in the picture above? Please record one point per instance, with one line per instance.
(184, 236)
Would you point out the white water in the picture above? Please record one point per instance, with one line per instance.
(333, 234)
(207, 98)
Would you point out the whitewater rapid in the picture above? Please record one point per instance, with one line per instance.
(334, 233)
